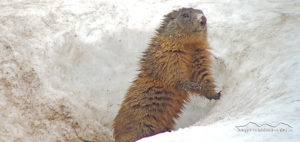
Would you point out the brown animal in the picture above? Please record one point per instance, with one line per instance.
(176, 62)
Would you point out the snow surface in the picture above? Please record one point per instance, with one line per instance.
(66, 65)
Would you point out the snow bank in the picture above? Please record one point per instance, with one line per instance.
(66, 65)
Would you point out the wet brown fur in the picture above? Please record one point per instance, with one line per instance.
(174, 64)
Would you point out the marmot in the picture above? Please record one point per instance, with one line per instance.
(176, 62)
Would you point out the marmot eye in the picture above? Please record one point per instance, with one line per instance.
(185, 15)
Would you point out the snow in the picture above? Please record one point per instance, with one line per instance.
(66, 65)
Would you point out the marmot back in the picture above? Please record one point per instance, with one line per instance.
(176, 62)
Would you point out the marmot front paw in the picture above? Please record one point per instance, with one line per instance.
(215, 96)
(190, 86)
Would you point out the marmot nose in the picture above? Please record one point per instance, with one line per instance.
(201, 18)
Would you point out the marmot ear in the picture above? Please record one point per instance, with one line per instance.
(172, 15)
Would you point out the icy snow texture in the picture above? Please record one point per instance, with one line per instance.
(66, 65)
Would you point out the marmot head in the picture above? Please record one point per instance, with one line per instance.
(184, 21)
